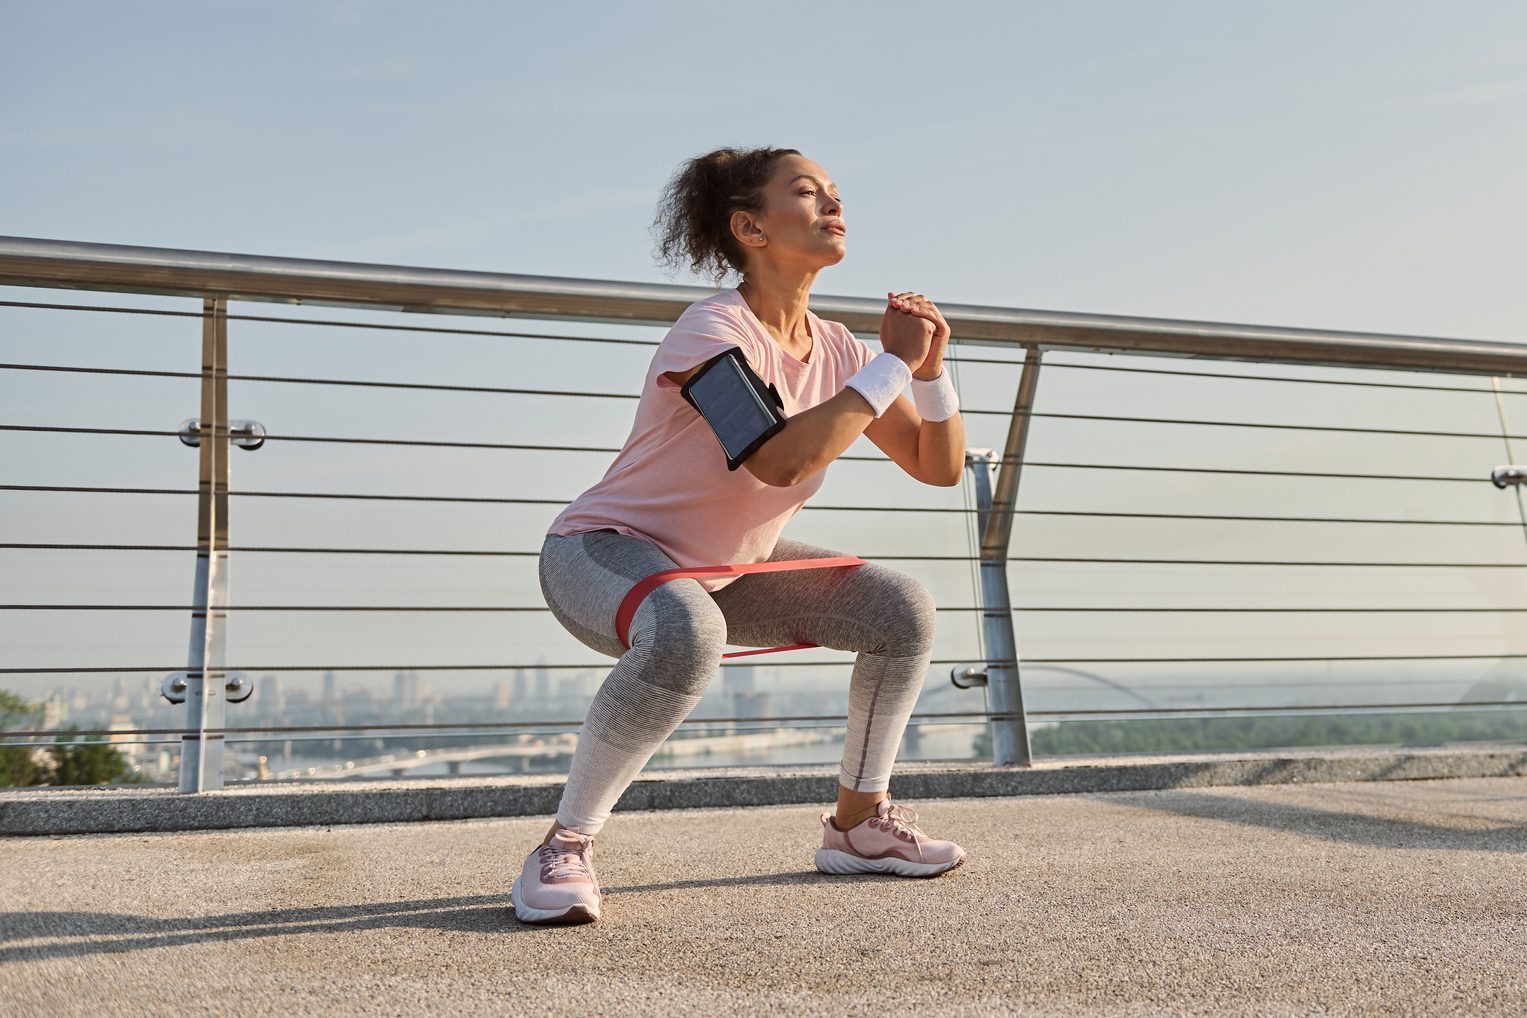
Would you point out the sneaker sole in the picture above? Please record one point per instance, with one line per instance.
(830, 860)
(571, 916)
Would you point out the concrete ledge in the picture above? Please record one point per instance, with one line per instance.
(118, 810)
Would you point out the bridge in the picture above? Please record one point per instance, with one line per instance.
(1270, 883)
(1395, 898)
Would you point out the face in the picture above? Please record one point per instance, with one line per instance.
(801, 222)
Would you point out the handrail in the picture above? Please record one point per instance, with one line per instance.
(168, 271)
(1021, 336)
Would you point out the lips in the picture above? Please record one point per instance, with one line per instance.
(837, 228)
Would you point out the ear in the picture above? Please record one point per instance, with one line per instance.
(747, 230)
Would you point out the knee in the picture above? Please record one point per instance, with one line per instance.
(906, 613)
(678, 637)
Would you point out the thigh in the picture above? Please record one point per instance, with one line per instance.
(584, 577)
(868, 608)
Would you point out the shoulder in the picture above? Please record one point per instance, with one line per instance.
(706, 328)
(717, 318)
(716, 311)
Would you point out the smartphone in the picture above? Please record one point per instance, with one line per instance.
(743, 412)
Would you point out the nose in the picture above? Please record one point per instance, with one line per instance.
(834, 206)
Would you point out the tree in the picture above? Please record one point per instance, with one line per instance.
(18, 764)
(91, 762)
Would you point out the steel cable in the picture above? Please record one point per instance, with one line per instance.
(443, 330)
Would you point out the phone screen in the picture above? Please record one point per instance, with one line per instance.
(731, 406)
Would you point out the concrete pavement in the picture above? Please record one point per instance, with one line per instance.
(1405, 898)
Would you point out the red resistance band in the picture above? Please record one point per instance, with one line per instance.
(638, 593)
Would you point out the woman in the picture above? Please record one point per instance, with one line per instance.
(668, 500)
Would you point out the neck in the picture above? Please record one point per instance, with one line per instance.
(779, 297)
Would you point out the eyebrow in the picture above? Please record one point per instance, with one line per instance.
(815, 180)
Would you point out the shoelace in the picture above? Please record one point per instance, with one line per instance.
(904, 817)
(559, 863)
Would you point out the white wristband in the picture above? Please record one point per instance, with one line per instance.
(935, 399)
(881, 381)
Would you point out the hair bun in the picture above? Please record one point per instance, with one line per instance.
(693, 220)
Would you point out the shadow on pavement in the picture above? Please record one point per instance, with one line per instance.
(1333, 825)
(809, 878)
(489, 913)
(73, 934)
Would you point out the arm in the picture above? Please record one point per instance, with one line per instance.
(816, 437)
(811, 440)
(930, 451)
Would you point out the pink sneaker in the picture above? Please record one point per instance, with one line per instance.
(557, 883)
(888, 842)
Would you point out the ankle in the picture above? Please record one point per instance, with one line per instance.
(555, 827)
(853, 816)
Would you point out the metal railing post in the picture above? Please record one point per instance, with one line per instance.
(201, 753)
(1009, 726)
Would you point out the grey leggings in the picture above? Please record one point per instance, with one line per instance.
(677, 637)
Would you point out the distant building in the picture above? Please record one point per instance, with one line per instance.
(272, 692)
(405, 690)
(120, 723)
(55, 711)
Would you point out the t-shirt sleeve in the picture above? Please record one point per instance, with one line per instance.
(700, 334)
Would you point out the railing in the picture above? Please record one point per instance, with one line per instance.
(624, 321)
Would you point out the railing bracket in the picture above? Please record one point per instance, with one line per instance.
(173, 688)
(247, 435)
(1504, 476)
(237, 688)
(968, 677)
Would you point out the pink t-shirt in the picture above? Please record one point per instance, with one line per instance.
(670, 485)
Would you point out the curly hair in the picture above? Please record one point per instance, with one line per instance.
(694, 217)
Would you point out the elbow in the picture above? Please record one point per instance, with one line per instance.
(948, 479)
(788, 477)
(774, 473)
(781, 467)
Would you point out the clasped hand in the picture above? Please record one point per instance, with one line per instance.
(913, 329)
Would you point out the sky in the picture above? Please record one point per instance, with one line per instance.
(1345, 165)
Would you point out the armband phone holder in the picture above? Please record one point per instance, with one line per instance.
(740, 408)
